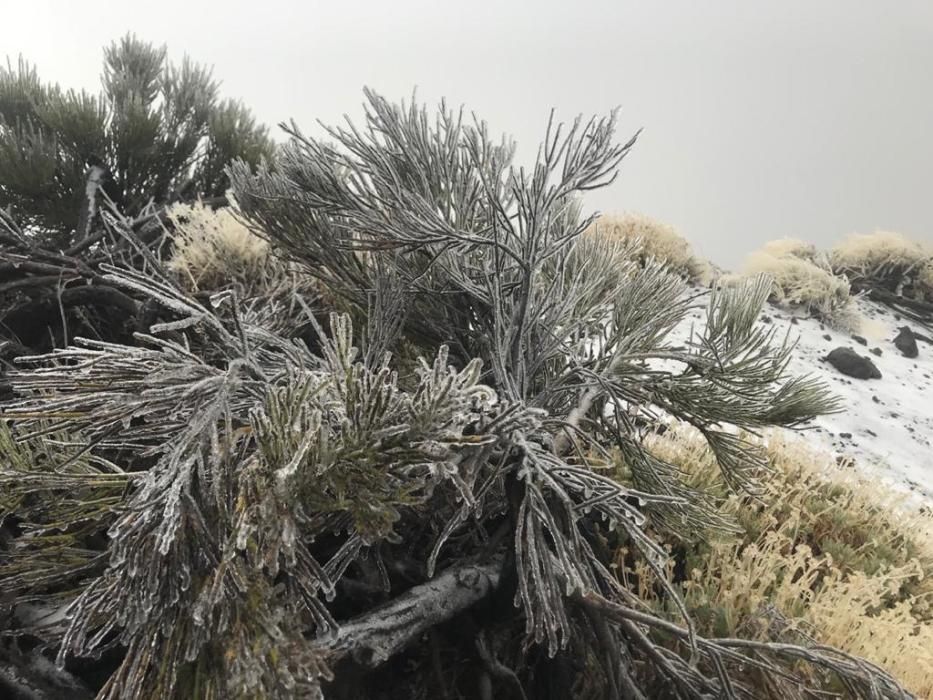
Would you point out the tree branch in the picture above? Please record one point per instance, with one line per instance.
(375, 637)
(33, 677)
(851, 670)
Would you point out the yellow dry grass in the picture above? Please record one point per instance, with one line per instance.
(824, 554)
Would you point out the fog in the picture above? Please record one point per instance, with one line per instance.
(761, 119)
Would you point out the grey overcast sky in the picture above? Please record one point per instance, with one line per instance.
(800, 118)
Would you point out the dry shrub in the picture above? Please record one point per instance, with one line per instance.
(803, 279)
(888, 260)
(783, 247)
(824, 555)
(213, 249)
(925, 278)
(655, 239)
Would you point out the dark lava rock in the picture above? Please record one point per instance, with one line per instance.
(827, 336)
(845, 436)
(793, 319)
(875, 399)
(906, 342)
(859, 339)
(851, 364)
(875, 351)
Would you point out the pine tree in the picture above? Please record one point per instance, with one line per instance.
(158, 132)
(419, 504)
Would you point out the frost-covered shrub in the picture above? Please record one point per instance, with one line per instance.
(654, 239)
(300, 519)
(801, 278)
(925, 278)
(801, 282)
(213, 249)
(794, 247)
(887, 260)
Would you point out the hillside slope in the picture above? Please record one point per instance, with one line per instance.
(886, 427)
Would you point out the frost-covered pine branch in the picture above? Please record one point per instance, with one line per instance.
(422, 490)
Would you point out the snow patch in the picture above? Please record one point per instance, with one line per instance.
(886, 425)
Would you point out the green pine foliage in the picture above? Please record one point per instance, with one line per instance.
(158, 129)
(78, 168)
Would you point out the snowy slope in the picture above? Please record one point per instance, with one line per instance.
(886, 428)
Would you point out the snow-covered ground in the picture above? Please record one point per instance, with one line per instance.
(886, 427)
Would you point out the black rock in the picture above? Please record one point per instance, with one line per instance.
(845, 436)
(793, 319)
(851, 364)
(875, 399)
(875, 351)
(859, 339)
(906, 342)
(827, 336)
